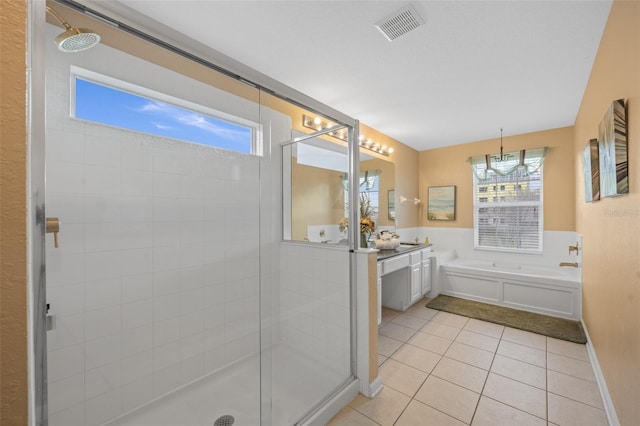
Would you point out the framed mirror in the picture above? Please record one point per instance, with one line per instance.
(315, 190)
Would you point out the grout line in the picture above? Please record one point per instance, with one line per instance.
(485, 380)
(521, 382)
(521, 360)
(402, 412)
(411, 366)
(515, 408)
(360, 412)
(568, 356)
(575, 400)
(522, 344)
(446, 414)
(546, 375)
(423, 382)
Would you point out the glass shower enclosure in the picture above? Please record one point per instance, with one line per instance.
(172, 296)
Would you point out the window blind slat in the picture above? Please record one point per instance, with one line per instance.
(508, 211)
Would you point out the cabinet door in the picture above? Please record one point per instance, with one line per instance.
(426, 276)
(415, 282)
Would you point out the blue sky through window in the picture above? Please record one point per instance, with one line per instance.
(113, 107)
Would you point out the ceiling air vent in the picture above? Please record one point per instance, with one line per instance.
(399, 22)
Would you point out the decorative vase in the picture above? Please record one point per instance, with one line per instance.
(363, 240)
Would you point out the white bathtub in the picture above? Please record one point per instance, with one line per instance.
(548, 290)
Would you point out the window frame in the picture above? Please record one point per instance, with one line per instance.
(76, 72)
(376, 214)
(477, 205)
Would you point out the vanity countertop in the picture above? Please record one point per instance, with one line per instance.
(386, 254)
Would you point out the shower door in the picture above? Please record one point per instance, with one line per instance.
(154, 287)
(312, 353)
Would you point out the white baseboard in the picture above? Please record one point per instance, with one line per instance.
(370, 390)
(375, 387)
(609, 409)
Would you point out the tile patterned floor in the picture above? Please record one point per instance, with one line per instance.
(444, 369)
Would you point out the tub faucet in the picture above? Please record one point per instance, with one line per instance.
(574, 248)
(572, 264)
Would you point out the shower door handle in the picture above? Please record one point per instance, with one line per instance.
(53, 227)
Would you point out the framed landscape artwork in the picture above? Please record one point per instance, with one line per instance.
(612, 138)
(441, 203)
(591, 161)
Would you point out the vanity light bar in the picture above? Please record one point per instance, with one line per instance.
(319, 123)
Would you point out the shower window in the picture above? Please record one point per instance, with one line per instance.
(105, 100)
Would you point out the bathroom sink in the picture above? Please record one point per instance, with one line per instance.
(409, 244)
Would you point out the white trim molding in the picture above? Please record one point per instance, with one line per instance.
(609, 409)
(374, 387)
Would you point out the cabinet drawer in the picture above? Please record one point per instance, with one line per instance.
(426, 254)
(415, 257)
(379, 269)
(395, 263)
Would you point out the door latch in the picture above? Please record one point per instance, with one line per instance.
(53, 227)
(50, 320)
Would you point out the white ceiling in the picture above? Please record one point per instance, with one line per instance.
(473, 68)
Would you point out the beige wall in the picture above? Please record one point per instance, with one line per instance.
(405, 160)
(611, 227)
(317, 198)
(449, 166)
(13, 215)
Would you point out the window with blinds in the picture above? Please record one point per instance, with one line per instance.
(508, 210)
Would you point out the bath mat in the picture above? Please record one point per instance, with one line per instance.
(559, 328)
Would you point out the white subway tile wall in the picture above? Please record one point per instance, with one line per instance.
(155, 282)
(314, 323)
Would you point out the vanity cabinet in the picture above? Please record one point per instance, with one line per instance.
(416, 279)
(425, 276)
(404, 279)
(396, 282)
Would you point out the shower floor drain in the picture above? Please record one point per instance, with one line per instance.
(224, 421)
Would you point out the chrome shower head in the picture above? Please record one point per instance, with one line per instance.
(74, 39)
